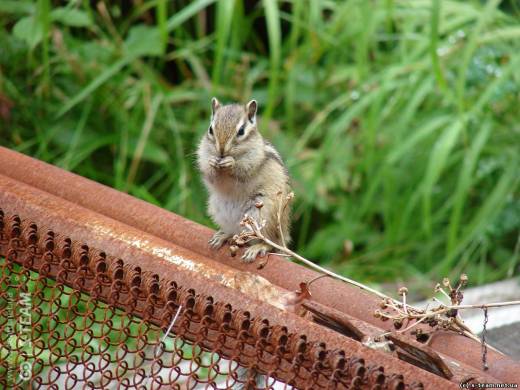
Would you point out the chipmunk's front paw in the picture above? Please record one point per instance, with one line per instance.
(255, 250)
(214, 162)
(218, 239)
(226, 162)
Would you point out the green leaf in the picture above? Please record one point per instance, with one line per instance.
(95, 84)
(434, 42)
(28, 30)
(272, 16)
(143, 40)
(152, 152)
(187, 12)
(71, 17)
(465, 181)
(413, 141)
(16, 7)
(224, 21)
(436, 164)
(486, 213)
(470, 48)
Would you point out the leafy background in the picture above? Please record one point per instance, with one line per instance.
(398, 119)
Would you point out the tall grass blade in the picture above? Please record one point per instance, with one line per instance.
(186, 13)
(434, 45)
(436, 164)
(273, 31)
(485, 214)
(469, 50)
(224, 21)
(466, 179)
(93, 85)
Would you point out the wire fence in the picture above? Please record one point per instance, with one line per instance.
(72, 317)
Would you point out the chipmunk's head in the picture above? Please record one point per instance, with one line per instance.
(232, 128)
(232, 136)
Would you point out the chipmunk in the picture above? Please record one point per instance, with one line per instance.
(240, 169)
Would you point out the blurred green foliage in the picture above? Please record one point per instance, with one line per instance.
(398, 119)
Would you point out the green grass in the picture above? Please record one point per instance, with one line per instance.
(398, 120)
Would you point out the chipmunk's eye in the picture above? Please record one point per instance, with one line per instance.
(241, 131)
(210, 130)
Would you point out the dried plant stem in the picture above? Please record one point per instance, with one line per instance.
(404, 304)
(463, 328)
(446, 308)
(407, 328)
(256, 229)
(483, 305)
(444, 293)
(279, 254)
(279, 217)
(160, 343)
(316, 278)
(441, 310)
(446, 315)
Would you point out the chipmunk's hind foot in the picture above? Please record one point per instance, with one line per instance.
(219, 239)
(253, 251)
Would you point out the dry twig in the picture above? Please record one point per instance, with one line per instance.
(442, 316)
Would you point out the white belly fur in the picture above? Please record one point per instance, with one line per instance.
(227, 212)
(228, 202)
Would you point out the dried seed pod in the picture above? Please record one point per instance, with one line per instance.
(398, 324)
(452, 313)
(456, 297)
(445, 324)
(259, 204)
(446, 282)
(403, 291)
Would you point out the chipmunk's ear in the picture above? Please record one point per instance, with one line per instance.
(215, 104)
(251, 108)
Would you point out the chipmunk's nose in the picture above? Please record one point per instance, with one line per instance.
(222, 149)
(219, 149)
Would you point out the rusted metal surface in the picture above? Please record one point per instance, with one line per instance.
(206, 323)
(170, 249)
(149, 279)
(129, 243)
(187, 234)
(403, 347)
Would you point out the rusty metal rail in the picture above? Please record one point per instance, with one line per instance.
(112, 262)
